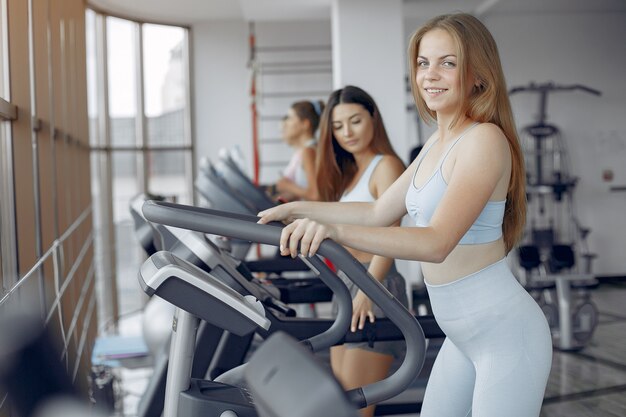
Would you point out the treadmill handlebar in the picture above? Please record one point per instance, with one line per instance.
(245, 227)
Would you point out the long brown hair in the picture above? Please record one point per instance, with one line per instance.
(309, 110)
(336, 167)
(479, 64)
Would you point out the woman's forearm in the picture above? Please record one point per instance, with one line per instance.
(379, 267)
(411, 243)
(340, 213)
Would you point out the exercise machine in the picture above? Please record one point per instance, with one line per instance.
(246, 228)
(277, 367)
(555, 256)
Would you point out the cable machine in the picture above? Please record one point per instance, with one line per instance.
(555, 255)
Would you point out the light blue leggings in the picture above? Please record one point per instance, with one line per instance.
(496, 358)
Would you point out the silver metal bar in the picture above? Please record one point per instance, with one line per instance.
(74, 129)
(8, 111)
(105, 246)
(83, 336)
(8, 248)
(35, 150)
(190, 168)
(184, 328)
(57, 273)
(102, 72)
(52, 126)
(79, 305)
(563, 291)
(30, 273)
(141, 136)
(70, 276)
(76, 223)
(65, 110)
(45, 256)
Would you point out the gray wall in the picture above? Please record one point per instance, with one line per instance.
(578, 48)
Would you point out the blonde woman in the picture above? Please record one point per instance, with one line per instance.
(466, 195)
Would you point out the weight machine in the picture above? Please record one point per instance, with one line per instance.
(555, 255)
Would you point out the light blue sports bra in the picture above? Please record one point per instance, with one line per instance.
(422, 202)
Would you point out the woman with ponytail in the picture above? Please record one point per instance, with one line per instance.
(298, 131)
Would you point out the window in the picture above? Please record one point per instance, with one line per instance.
(8, 273)
(122, 82)
(165, 98)
(139, 128)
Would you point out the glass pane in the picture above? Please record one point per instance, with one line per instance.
(170, 175)
(165, 81)
(92, 77)
(121, 60)
(128, 254)
(125, 184)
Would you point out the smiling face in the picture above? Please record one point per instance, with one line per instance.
(438, 77)
(353, 127)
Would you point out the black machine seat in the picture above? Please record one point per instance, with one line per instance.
(529, 258)
(561, 257)
(197, 292)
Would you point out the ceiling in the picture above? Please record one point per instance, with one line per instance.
(188, 12)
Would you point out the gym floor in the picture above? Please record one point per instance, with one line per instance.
(587, 383)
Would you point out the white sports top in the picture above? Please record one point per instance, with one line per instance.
(361, 191)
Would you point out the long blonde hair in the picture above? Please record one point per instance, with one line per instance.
(479, 64)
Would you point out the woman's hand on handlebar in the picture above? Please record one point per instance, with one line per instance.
(306, 233)
(280, 213)
(361, 311)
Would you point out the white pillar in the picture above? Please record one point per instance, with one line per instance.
(368, 52)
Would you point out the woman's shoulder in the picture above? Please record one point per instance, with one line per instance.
(484, 137)
(308, 152)
(486, 142)
(390, 165)
(487, 131)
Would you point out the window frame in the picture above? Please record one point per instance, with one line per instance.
(103, 150)
(8, 113)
